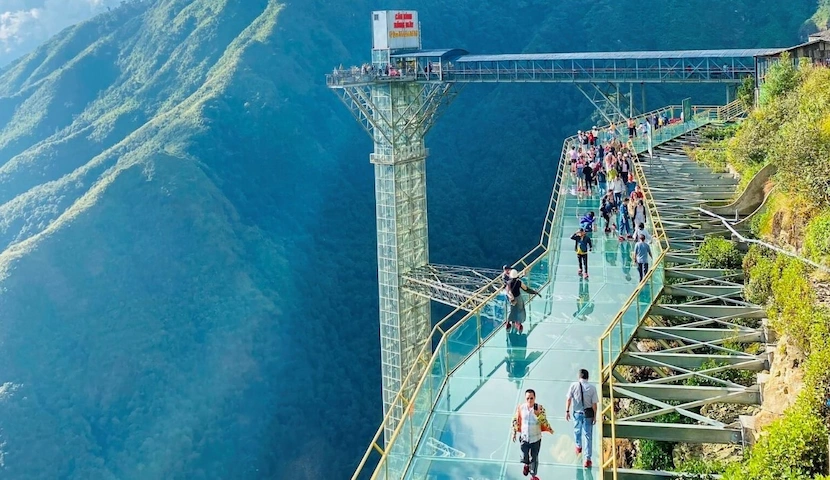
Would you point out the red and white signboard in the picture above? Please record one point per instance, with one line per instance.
(396, 29)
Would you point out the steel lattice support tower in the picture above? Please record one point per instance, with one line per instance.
(397, 115)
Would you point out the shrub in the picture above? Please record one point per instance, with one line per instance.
(817, 367)
(793, 306)
(759, 270)
(654, 455)
(794, 447)
(717, 252)
(698, 469)
(746, 93)
(713, 155)
(782, 77)
(817, 237)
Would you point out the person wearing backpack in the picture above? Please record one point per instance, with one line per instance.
(582, 396)
(582, 246)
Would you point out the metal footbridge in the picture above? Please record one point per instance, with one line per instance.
(449, 389)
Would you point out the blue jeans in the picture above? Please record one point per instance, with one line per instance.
(584, 425)
(624, 225)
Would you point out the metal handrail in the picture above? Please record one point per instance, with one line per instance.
(731, 110)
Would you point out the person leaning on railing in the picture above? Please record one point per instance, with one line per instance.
(516, 315)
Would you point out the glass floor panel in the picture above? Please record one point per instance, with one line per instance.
(468, 434)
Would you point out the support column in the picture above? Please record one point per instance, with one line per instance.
(397, 114)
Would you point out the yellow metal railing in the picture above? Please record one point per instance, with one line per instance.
(427, 378)
(617, 337)
(731, 110)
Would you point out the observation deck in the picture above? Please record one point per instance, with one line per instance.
(728, 66)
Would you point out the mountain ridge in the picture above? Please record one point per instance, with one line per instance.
(188, 265)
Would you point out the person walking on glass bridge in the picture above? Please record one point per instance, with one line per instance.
(642, 254)
(582, 245)
(624, 227)
(529, 422)
(516, 315)
(641, 230)
(582, 396)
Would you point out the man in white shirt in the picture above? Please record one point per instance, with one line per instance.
(529, 422)
(641, 230)
(584, 399)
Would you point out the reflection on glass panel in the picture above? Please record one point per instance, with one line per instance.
(630, 320)
(539, 274)
(616, 341)
(402, 447)
(658, 279)
(644, 298)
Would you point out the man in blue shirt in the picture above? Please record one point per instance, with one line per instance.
(642, 252)
(587, 222)
(582, 246)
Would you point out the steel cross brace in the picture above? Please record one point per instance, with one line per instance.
(604, 103)
(456, 286)
(414, 122)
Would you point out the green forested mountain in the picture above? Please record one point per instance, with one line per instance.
(187, 223)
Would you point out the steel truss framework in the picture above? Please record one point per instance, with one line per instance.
(702, 66)
(605, 98)
(404, 126)
(691, 336)
(503, 68)
(458, 287)
(397, 116)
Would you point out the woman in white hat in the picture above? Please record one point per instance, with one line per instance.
(516, 315)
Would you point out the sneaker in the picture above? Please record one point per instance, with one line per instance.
(586, 275)
(578, 450)
(579, 272)
(588, 464)
(520, 327)
(525, 469)
(508, 326)
(534, 478)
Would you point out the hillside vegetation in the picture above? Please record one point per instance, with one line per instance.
(791, 129)
(187, 240)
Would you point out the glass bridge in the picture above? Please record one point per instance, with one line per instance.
(458, 423)
(468, 434)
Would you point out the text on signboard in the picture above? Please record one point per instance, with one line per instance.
(403, 20)
(410, 33)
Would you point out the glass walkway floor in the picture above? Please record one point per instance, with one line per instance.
(468, 433)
